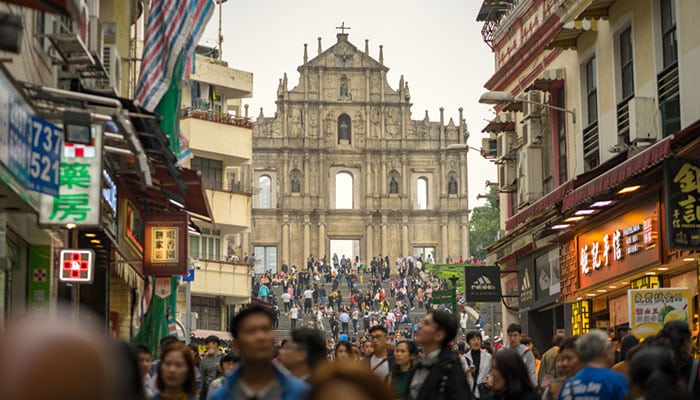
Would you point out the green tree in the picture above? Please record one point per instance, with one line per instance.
(483, 225)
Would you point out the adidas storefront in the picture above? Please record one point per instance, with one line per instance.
(540, 312)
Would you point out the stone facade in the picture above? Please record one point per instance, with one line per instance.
(344, 117)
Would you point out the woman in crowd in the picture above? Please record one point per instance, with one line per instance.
(510, 378)
(405, 353)
(478, 365)
(344, 352)
(176, 379)
(653, 375)
(676, 336)
(568, 364)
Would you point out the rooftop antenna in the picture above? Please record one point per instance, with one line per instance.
(221, 36)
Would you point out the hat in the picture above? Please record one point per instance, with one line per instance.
(343, 337)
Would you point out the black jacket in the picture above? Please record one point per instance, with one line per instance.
(446, 380)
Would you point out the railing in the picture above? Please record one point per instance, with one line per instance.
(239, 187)
(623, 121)
(216, 116)
(204, 258)
(667, 82)
(590, 145)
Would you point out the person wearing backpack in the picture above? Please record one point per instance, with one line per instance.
(515, 335)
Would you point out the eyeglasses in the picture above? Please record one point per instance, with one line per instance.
(377, 337)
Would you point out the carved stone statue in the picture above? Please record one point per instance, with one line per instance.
(452, 186)
(393, 186)
(343, 87)
(296, 184)
(343, 129)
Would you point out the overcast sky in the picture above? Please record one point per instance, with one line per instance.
(435, 45)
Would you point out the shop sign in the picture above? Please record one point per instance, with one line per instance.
(624, 244)
(580, 317)
(651, 309)
(682, 197)
(527, 290)
(548, 274)
(165, 244)
(29, 146)
(483, 284)
(163, 287)
(39, 279)
(619, 310)
(133, 227)
(77, 265)
(79, 199)
(646, 282)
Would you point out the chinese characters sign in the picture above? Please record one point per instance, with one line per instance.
(79, 200)
(165, 250)
(580, 317)
(626, 243)
(650, 309)
(682, 196)
(77, 266)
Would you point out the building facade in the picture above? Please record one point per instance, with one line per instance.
(343, 160)
(585, 190)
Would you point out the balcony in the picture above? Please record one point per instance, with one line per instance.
(231, 205)
(223, 278)
(211, 134)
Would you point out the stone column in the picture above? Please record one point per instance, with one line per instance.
(384, 236)
(285, 242)
(444, 245)
(321, 237)
(369, 239)
(307, 240)
(404, 240)
(464, 250)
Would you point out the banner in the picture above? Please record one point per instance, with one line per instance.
(651, 309)
(483, 284)
(682, 198)
(165, 249)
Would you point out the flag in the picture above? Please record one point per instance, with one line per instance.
(174, 27)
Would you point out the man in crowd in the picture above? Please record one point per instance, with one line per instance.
(380, 361)
(438, 374)
(258, 377)
(286, 300)
(344, 320)
(303, 352)
(515, 335)
(548, 370)
(308, 300)
(210, 362)
(293, 316)
(595, 381)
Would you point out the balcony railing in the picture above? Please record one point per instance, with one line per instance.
(623, 121)
(203, 258)
(239, 187)
(216, 116)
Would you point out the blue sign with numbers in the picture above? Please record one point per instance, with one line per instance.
(45, 158)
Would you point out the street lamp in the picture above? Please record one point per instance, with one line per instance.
(507, 97)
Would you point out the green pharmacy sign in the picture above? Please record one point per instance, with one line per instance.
(80, 193)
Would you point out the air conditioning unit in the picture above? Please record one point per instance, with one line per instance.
(489, 148)
(505, 142)
(529, 169)
(532, 132)
(642, 119)
(532, 110)
(507, 177)
(112, 63)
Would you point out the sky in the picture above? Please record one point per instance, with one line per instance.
(436, 45)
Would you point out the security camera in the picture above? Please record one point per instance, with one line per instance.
(198, 265)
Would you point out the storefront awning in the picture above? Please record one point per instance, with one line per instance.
(70, 8)
(504, 122)
(193, 197)
(204, 333)
(540, 205)
(617, 175)
(547, 79)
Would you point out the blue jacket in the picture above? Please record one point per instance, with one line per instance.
(292, 388)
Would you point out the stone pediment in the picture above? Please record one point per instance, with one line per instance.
(344, 54)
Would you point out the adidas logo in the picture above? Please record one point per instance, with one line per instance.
(483, 283)
(526, 283)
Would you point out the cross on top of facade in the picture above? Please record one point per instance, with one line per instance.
(342, 27)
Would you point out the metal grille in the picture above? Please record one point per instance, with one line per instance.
(623, 121)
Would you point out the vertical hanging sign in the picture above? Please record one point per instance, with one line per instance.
(682, 198)
(165, 249)
(79, 201)
(39, 279)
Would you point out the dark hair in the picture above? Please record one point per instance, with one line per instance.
(447, 323)
(230, 357)
(511, 366)
(190, 384)
(627, 343)
(674, 335)
(472, 334)
(212, 339)
(515, 328)
(166, 340)
(412, 351)
(250, 310)
(354, 374)
(343, 343)
(313, 342)
(653, 371)
(378, 328)
(568, 343)
(139, 348)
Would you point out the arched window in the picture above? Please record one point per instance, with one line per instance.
(265, 195)
(296, 181)
(422, 193)
(343, 191)
(344, 128)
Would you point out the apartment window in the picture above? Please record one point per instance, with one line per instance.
(208, 310)
(560, 101)
(343, 191)
(206, 246)
(591, 157)
(626, 63)
(591, 92)
(422, 193)
(668, 32)
(265, 196)
(211, 171)
(40, 28)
